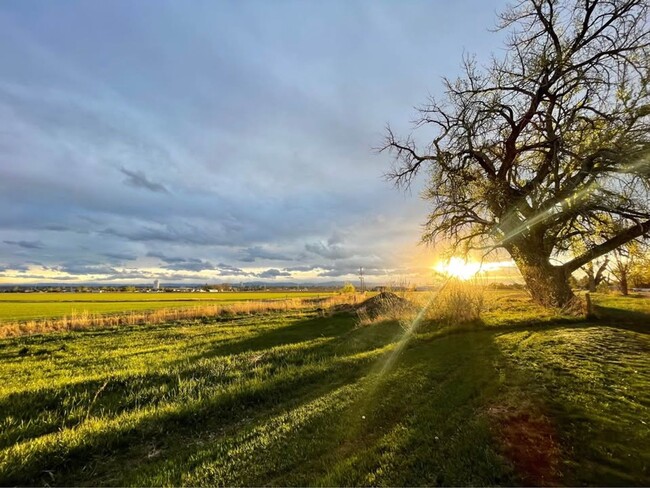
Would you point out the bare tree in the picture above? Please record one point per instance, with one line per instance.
(625, 259)
(544, 146)
(595, 272)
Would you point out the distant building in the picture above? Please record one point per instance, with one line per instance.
(156, 285)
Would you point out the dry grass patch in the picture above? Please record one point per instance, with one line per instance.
(456, 302)
(85, 320)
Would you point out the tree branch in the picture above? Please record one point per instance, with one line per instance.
(623, 237)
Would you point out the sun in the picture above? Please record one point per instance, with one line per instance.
(459, 268)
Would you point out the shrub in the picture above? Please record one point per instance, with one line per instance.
(348, 288)
(458, 302)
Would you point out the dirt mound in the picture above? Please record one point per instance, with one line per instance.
(379, 304)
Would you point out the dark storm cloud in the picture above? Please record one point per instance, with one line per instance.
(137, 179)
(26, 244)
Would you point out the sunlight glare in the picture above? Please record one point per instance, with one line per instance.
(465, 270)
(459, 268)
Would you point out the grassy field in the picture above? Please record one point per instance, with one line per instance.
(32, 306)
(300, 399)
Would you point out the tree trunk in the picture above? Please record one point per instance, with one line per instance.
(547, 284)
(591, 286)
(622, 282)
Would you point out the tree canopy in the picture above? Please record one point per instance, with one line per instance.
(544, 146)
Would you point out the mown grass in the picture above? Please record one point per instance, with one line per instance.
(298, 399)
(31, 306)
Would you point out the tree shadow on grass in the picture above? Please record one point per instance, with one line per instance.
(611, 317)
(318, 429)
(322, 367)
(353, 419)
(415, 426)
(624, 319)
(293, 332)
(115, 448)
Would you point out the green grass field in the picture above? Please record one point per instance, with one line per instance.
(299, 399)
(31, 306)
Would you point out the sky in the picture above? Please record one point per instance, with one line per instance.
(218, 141)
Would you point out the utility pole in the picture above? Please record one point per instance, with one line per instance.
(361, 281)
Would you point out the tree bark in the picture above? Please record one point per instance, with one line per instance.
(547, 284)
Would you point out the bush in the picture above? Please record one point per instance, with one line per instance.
(348, 288)
(458, 302)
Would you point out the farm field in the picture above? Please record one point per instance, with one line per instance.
(295, 398)
(31, 306)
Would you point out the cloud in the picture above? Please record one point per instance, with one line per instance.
(85, 269)
(329, 250)
(195, 264)
(26, 244)
(34, 276)
(227, 270)
(305, 268)
(183, 264)
(56, 227)
(272, 273)
(348, 269)
(137, 179)
(257, 252)
(137, 274)
(335, 238)
(263, 149)
(14, 267)
(120, 256)
(190, 265)
(166, 259)
(165, 233)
